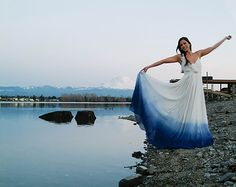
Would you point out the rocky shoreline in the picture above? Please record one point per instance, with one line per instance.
(209, 166)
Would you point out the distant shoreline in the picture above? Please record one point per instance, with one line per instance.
(59, 102)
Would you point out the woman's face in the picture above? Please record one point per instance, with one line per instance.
(184, 45)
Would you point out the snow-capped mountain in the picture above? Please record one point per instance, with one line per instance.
(117, 87)
(120, 83)
(55, 91)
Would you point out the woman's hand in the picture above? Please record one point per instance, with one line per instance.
(145, 69)
(228, 37)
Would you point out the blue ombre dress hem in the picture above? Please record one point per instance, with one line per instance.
(166, 122)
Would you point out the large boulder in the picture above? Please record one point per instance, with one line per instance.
(58, 116)
(85, 117)
(131, 181)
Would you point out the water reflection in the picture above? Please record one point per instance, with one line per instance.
(63, 105)
(65, 155)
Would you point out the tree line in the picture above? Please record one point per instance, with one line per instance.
(67, 98)
(92, 98)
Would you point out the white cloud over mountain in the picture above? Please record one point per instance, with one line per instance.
(123, 82)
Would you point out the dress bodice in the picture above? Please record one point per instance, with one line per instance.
(194, 67)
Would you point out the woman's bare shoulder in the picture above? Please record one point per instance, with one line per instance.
(197, 53)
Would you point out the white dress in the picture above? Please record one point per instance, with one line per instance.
(173, 114)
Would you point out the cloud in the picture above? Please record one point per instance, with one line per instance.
(122, 82)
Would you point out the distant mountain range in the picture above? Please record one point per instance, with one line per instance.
(56, 91)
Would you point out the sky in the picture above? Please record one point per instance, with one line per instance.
(102, 42)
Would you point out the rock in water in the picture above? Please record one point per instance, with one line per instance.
(58, 117)
(85, 117)
(137, 154)
(131, 181)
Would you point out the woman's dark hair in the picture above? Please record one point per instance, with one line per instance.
(181, 51)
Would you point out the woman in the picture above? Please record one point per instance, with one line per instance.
(174, 114)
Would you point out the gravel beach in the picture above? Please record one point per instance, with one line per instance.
(209, 166)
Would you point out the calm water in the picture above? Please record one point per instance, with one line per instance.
(34, 152)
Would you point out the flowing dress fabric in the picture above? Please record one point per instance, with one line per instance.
(173, 114)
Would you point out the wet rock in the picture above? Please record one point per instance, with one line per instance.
(130, 118)
(131, 181)
(208, 175)
(226, 177)
(137, 154)
(200, 154)
(233, 179)
(142, 170)
(232, 167)
(228, 183)
(152, 170)
(215, 166)
(85, 117)
(185, 159)
(58, 117)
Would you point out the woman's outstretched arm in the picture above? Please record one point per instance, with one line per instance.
(172, 59)
(206, 51)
